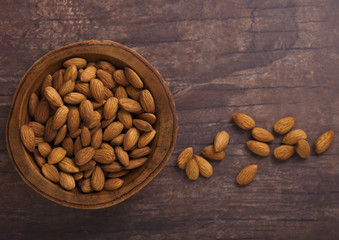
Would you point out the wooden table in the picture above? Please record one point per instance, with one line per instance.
(266, 58)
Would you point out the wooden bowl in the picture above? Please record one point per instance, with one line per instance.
(120, 56)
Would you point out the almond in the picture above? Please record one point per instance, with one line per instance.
(221, 141)
(40, 161)
(113, 167)
(111, 107)
(77, 146)
(112, 131)
(246, 175)
(66, 87)
(83, 88)
(108, 93)
(133, 92)
(74, 134)
(140, 152)
(210, 153)
(205, 168)
(106, 79)
(60, 135)
(148, 117)
(122, 156)
(56, 155)
(60, 117)
(133, 78)
(184, 157)
(135, 163)
(192, 169)
(67, 181)
(27, 137)
(85, 137)
(106, 66)
(303, 149)
(146, 138)
(131, 138)
(142, 125)
(104, 156)
(46, 83)
(283, 152)
(77, 176)
(96, 139)
(74, 98)
(118, 140)
(88, 173)
(85, 185)
(88, 166)
(86, 110)
(53, 97)
(44, 149)
(39, 140)
(324, 142)
(262, 135)
(95, 120)
(294, 136)
(120, 77)
(97, 90)
(88, 74)
(73, 119)
(84, 156)
(38, 128)
(68, 145)
(125, 118)
(78, 62)
(147, 101)
(258, 148)
(96, 104)
(42, 111)
(284, 125)
(32, 104)
(71, 74)
(113, 184)
(50, 172)
(67, 165)
(106, 146)
(118, 174)
(58, 79)
(98, 179)
(120, 92)
(243, 121)
(50, 133)
(130, 105)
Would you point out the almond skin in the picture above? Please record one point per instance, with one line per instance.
(284, 125)
(303, 149)
(53, 97)
(84, 156)
(111, 107)
(50, 172)
(130, 105)
(148, 117)
(125, 118)
(66, 87)
(283, 152)
(324, 142)
(67, 165)
(83, 88)
(106, 79)
(262, 135)
(135, 163)
(118, 174)
(75, 134)
(77, 176)
(56, 155)
(133, 93)
(221, 141)
(67, 181)
(118, 140)
(42, 111)
(27, 137)
(294, 136)
(140, 152)
(85, 185)
(246, 175)
(71, 73)
(46, 83)
(104, 156)
(88, 74)
(120, 92)
(184, 157)
(122, 156)
(73, 119)
(192, 169)
(78, 62)
(133, 78)
(205, 168)
(60, 117)
(147, 101)
(58, 79)
(60, 135)
(68, 145)
(112, 131)
(97, 90)
(210, 153)
(120, 77)
(243, 121)
(40, 161)
(113, 184)
(113, 167)
(38, 128)
(88, 166)
(74, 98)
(98, 179)
(50, 133)
(258, 148)
(146, 138)
(96, 139)
(142, 125)
(44, 149)
(106, 66)
(86, 110)
(131, 139)
(85, 137)
(32, 104)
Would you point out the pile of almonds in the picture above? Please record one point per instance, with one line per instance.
(91, 124)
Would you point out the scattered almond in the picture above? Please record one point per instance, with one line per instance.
(205, 168)
(243, 121)
(284, 125)
(262, 135)
(258, 148)
(303, 149)
(210, 153)
(324, 142)
(184, 157)
(294, 136)
(192, 169)
(283, 152)
(221, 141)
(247, 175)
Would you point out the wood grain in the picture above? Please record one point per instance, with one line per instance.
(266, 58)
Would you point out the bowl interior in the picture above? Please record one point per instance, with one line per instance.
(120, 56)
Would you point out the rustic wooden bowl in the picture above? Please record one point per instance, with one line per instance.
(120, 56)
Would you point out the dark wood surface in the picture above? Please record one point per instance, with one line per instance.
(266, 58)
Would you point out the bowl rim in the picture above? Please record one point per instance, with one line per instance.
(149, 177)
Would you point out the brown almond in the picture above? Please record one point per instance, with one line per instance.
(130, 105)
(118, 174)
(205, 168)
(140, 152)
(58, 78)
(262, 135)
(27, 137)
(68, 145)
(125, 118)
(85, 185)
(283, 152)
(78, 62)
(74, 98)
(73, 119)
(77, 176)
(40, 161)
(146, 138)
(120, 92)
(192, 169)
(120, 77)
(108, 93)
(96, 139)
(210, 153)
(71, 74)
(133, 78)
(88, 74)
(303, 149)
(184, 157)
(67, 165)
(83, 88)
(112, 131)
(44, 149)
(131, 138)
(97, 90)
(104, 156)
(77, 146)
(84, 156)
(106, 66)
(86, 110)
(294, 136)
(118, 140)
(60, 135)
(284, 125)
(95, 120)
(111, 107)
(98, 179)
(96, 104)
(38, 128)
(56, 155)
(50, 133)
(46, 83)
(247, 174)
(42, 111)
(148, 117)
(50, 172)
(221, 141)
(147, 101)
(113, 184)
(142, 125)
(324, 142)
(88, 173)
(106, 146)
(85, 137)
(106, 79)
(32, 104)
(66, 87)
(258, 148)
(133, 93)
(60, 117)
(53, 97)
(106, 122)
(39, 140)
(67, 181)
(88, 166)
(135, 163)
(122, 156)
(113, 167)
(74, 134)
(243, 121)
